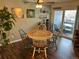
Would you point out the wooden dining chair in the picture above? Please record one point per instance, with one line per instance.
(26, 40)
(42, 27)
(39, 46)
(52, 42)
(22, 33)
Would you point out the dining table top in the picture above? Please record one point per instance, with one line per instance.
(40, 34)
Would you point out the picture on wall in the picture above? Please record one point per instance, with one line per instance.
(30, 13)
(18, 12)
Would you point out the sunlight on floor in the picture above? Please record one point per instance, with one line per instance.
(65, 49)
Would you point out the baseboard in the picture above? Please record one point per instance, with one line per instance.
(13, 41)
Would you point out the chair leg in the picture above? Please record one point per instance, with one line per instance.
(34, 51)
(45, 52)
(55, 45)
(39, 50)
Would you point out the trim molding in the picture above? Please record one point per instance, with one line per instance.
(13, 41)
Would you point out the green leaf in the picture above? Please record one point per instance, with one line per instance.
(7, 26)
(3, 35)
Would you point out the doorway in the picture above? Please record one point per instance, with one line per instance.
(64, 20)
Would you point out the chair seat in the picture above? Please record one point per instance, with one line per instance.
(42, 48)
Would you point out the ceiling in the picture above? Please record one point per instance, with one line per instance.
(51, 0)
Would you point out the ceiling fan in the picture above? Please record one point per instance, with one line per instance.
(38, 1)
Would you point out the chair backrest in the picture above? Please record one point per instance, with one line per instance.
(42, 27)
(54, 37)
(39, 43)
(22, 33)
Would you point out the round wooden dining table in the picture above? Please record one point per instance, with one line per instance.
(39, 38)
(40, 34)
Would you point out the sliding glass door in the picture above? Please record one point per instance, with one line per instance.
(64, 21)
(69, 23)
(57, 20)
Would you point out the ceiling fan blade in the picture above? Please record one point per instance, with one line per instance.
(48, 2)
(26, 1)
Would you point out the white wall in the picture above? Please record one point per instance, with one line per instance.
(25, 23)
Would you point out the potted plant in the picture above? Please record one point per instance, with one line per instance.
(6, 24)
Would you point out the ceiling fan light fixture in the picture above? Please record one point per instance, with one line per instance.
(39, 3)
(39, 6)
